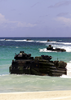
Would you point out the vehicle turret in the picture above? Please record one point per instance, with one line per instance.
(22, 55)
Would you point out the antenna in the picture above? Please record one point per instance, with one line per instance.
(57, 58)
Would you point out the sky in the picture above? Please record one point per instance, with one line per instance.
(35, 18)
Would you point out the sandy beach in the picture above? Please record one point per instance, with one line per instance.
(47, 95)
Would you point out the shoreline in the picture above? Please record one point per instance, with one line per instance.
(42, 95)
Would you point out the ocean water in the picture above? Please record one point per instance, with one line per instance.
(36, 46)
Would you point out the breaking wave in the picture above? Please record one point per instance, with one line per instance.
(39, 41)
(68, 71)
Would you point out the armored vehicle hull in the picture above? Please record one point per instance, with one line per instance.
(56, 49)
(25, 64)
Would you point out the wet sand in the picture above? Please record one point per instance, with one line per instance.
(47, 95)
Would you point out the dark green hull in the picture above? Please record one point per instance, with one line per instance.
(38, 66)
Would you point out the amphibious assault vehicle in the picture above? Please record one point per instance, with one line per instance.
(56, 49)
(25, 64)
